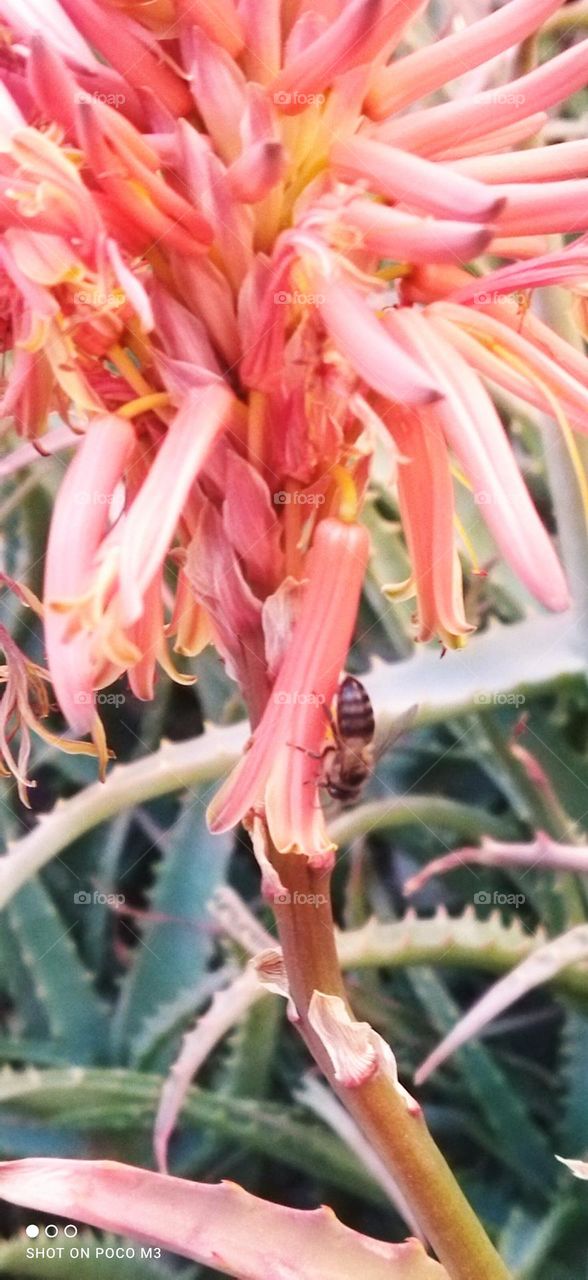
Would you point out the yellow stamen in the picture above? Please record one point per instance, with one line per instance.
(346, 493)
(395, 271)
(450, 640)
(129, 370)
(460, 475)
(156, 400)
(99, 740)
(399, 591)
(179, 677)
(467, 542)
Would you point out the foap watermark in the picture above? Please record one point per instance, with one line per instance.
(285, 298)
(299, 99)
(99, 298)
(293, 698)
(287, 899)
(496, 298)
(484, 898)
(88, 898)
(500, 699)
(101, 699)
(115, 100)
(299, 498)
(93, 498)
(483, 498)
(502, 97)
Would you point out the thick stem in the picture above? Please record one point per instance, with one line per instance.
(400, 1137)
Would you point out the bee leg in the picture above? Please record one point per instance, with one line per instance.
(314, 755)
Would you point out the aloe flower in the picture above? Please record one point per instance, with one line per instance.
(232, 255)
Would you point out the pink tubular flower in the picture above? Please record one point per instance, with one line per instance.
(232, 257)
(80, 522)
(278, 772)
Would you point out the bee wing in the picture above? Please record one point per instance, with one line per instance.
(392, 735)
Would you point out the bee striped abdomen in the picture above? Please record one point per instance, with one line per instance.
(355, 716)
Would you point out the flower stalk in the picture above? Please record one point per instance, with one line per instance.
(399, 1135)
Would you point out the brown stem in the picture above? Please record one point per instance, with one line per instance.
(402, 1139)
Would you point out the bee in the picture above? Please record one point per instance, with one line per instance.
(350, 759)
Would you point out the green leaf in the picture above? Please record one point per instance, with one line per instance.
(62, 986)
(573, 1124)
(173, 953)
(521, 1144)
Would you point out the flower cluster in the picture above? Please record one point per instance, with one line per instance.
(233, 254)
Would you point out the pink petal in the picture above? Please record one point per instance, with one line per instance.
(559, 365)
(219, 19)
(561, 160)
(129, 53)
(219, 90)
(405, 238)
(79, 523)
(357, 35)
(256, 171)
(49, 19)
(154, 514)
(544, 208)
(475, 433)
(370, 349)
(547, 269)
(436, 128)
(433, 66)
(414, 181)
(306, 682)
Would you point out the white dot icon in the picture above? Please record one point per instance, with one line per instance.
(32, 1230)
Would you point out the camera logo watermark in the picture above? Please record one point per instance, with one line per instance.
(497, 298)
(111, 99)
(98, 298)
(88, 898)
(484, 898)
(285, 298)
(293, 698)
(93, 498)
(505, 97)
(101, 699)
(298, 498)
(287, 899)
(500, 699)
(302, 99)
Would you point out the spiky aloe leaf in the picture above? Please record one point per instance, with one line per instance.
(172, 1017)
(554, 956)
(84, 1101)
(173, 954)
(222, 1226)
(522, 1145)
(462, 941)
(75, 1016)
